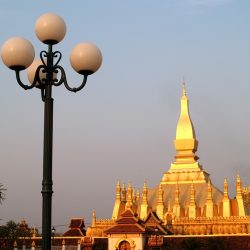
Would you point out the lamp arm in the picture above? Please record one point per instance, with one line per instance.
(63, 79)
(35, 80)
(43, 94)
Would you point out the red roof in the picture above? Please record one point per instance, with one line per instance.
(127, 223)
(76, 228)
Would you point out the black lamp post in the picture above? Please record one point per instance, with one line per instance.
(18, 54)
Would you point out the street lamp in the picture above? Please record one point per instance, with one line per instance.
(53, 230)
(18, 54)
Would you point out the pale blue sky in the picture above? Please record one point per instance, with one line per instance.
(121, 126)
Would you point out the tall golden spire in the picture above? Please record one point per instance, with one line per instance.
(185, 128)
(186, 168)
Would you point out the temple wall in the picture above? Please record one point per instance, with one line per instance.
(213, 226)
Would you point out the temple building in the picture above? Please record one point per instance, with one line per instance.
(183, 208)
(185, 202)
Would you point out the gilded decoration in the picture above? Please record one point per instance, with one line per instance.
(185, 201)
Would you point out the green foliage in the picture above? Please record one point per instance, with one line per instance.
(11, 232)
(2, 193)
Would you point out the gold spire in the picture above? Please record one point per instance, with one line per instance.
(185, 128)
(241, 208)
(186, 164)
(209, 191)
(129, 196)
(134, 194)
(93, 218)
(238, 185)
(226, 201)
(225, 189)
(209, 201)
(160, 205)
(176, 207)
(192, 205)
(137, 195)
(145, 193)
(160, 195)
(124, 193)
(176, 194)
(34, 232)
(144, 202)
(192, 194)
(118, 191)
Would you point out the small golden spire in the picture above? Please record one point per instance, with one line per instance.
(129, 196)
(133, 194)
(176, 195)
(238, 185)
(137, 195)
(118, 191)
(34, 232)
(93, 218)
(144, 193)
(124, 193)
(160, 195)
(225, 188)
(192, 194)
(209, 190)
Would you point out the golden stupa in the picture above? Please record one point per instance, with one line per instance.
(185, 202)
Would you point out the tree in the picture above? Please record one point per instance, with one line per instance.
(11, 232)
(2, 193)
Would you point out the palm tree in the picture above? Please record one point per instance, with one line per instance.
(2, 193)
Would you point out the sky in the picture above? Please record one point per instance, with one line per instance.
(121, 126)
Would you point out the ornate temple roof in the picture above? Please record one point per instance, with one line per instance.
(76, 228)
(127, 223)
(184, 197)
